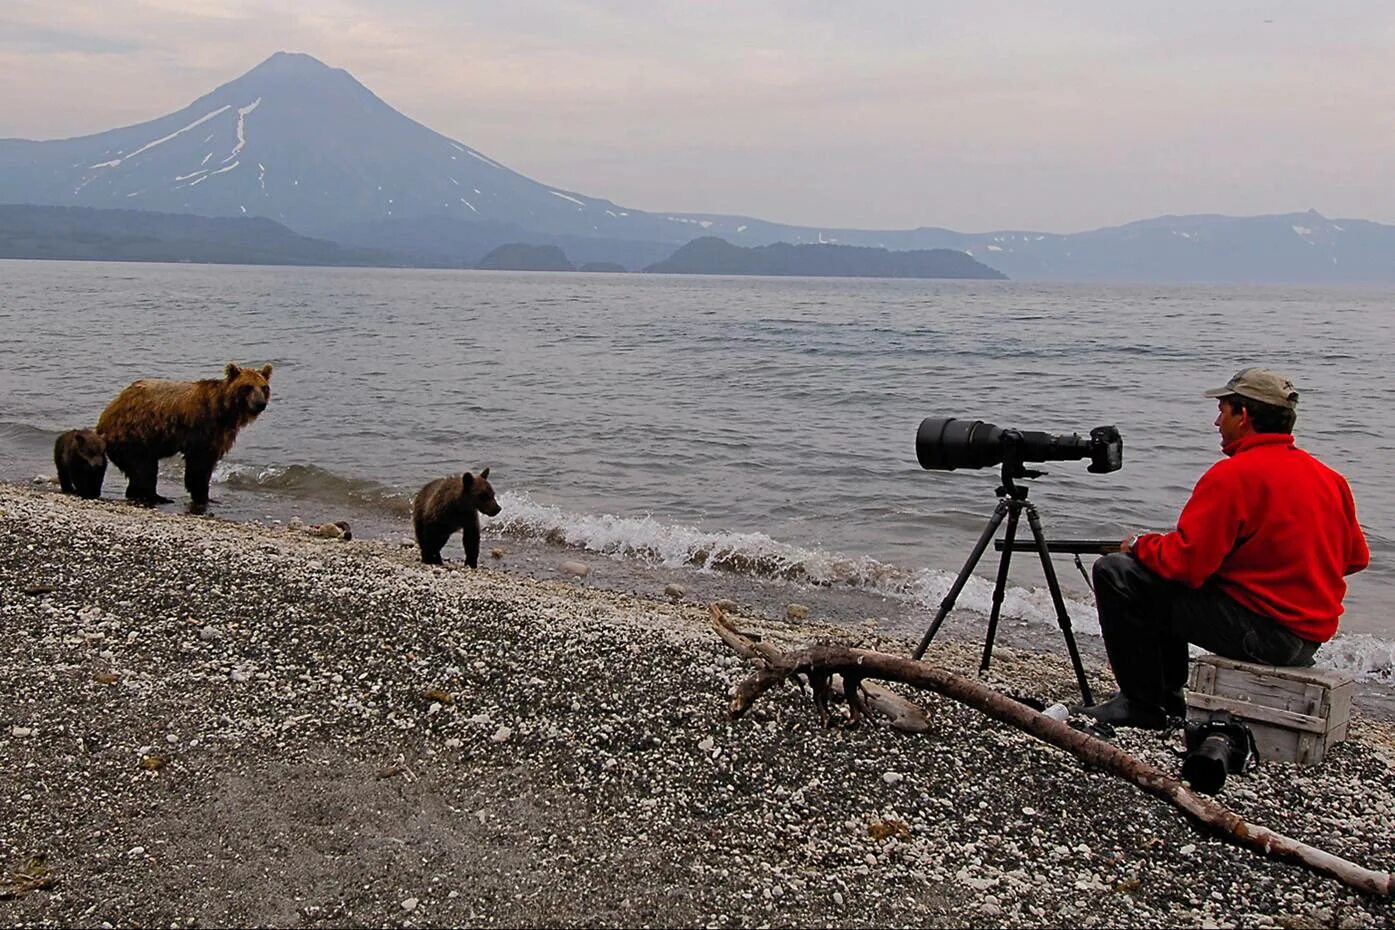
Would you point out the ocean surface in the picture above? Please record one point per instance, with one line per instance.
(743, 437)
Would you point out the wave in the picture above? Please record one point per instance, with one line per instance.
(24, 434)
(755, 555)
(1365, 657)
(645, 538)
(312, 482)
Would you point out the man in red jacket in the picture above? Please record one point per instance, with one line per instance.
(1255, 570)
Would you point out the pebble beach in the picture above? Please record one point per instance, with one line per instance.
(206, 723)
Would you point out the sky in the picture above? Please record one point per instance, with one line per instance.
(1057, 116)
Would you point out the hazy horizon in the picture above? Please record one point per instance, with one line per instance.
(976, 118)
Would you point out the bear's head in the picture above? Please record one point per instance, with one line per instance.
(479, 493)
(90, 448)
(249, 389)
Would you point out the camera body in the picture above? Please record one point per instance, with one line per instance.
(1221, 745)
(948, 443)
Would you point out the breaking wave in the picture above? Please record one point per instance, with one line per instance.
(754, 555)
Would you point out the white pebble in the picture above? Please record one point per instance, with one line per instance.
(410, 904)
(838, 898)
(893, 778)
(502, 734)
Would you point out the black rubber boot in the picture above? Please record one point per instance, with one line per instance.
(1119, 711)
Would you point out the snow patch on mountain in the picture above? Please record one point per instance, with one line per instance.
(241, 122)
(150, 145)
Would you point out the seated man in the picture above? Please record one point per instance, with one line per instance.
(1255, 570)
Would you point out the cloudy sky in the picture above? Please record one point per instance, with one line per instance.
(1056, 116)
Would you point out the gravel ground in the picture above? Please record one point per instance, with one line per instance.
(212, 724)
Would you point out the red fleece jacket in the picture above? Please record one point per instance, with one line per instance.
(1274, 527)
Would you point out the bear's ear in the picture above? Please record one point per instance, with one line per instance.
(232, 371)
(266, 371)
(467, 481)
(485, 474)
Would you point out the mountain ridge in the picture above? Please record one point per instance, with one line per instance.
(311, 147)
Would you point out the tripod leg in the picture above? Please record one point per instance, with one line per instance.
(1014, 514)
(1062, 618)
(948, 603)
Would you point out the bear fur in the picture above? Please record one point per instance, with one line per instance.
(448, 504)
(81, 458)
(154, 418)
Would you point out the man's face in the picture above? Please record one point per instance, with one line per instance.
(1233, 422)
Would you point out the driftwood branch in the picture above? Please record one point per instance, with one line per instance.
(820, 663)
(901, 714)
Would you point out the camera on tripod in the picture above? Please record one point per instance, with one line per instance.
(947, 443)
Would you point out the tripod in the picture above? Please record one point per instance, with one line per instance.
(1012, 500)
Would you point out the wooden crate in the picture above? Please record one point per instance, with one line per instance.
(1297, 714)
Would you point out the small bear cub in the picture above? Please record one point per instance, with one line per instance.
(81, 458)
(449, 504)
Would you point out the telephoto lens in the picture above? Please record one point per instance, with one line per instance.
(1205, 767)
(1221, 745)
(947, 443)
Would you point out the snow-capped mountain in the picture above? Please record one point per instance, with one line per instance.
(304, 144)
(307, 145)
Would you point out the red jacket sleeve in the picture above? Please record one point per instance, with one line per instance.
(1211, 524)
(1358, 553)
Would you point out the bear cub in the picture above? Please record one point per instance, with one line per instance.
(448, 504)
(81, 458)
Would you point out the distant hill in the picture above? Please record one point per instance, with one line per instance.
(710, 255)
(81, 233)
(449, 242)
(602, 267)
(307, 145)
(519, 256)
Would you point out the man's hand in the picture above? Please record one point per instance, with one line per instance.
(1127, 544)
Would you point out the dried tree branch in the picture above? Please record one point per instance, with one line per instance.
(901, 713)
(822, 662)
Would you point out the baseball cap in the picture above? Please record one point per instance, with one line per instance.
(1261, 384)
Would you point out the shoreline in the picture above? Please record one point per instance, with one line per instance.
(218, 723)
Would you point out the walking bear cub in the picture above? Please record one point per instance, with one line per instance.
(153, 419)
(81, 457)
(449, 504)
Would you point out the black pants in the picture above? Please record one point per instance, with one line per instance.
(1148, 621)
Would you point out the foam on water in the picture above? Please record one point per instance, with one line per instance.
(754, 554)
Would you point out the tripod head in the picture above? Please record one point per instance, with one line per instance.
(1014, 468)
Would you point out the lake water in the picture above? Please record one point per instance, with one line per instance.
(748, 436)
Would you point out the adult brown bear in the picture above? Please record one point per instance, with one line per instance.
(449, 504)
(81, 459)
(153, 419)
